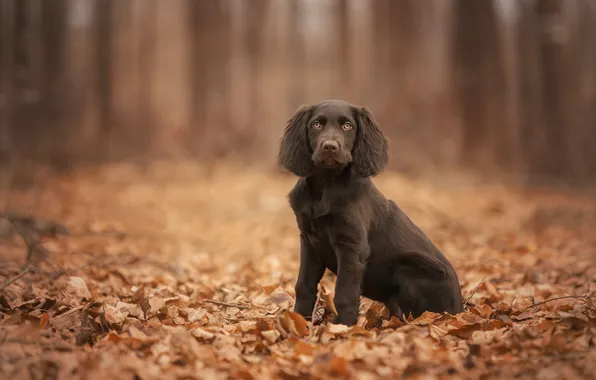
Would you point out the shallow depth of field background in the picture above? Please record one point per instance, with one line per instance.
(505, 86)
(149, 128)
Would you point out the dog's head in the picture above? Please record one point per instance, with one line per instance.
(333, 134)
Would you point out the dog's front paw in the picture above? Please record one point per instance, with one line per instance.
(304, 308)
(346, 319)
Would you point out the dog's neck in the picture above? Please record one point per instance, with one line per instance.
(321, 176)
(320, 179)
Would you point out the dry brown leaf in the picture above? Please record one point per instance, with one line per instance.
(293, 323)
(484, 310)
(327, 299)
(303, 348)
(163, 271)
(337, 329)
(426, 318)
(279, 297)
(130, 309)
(436, 332)
(201, 333)
(193, 315)
(76, 287)
(113, 315)
(392, 323)
(270, 335)
(155, 304)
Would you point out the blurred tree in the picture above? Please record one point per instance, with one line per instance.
(6, 78)
(344, 40)
(296, 56)
(524, 77)
(146, 34)
(557, 53)
(199, 20)
(255, 25)
(479, 78)
(103, 65)
(54, 90)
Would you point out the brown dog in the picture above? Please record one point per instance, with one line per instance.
(347, 226)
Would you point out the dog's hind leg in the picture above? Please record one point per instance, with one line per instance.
(394, 308)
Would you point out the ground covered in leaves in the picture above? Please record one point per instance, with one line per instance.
(185, 271)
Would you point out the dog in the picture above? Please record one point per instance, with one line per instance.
(346, 224)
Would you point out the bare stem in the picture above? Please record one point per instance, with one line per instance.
(474, 292)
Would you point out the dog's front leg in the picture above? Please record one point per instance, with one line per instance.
(350, 272)
(310, 273)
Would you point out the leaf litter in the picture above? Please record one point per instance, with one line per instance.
(184, 272)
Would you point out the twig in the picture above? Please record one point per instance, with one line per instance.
(220, 303)
(69, 312)
(28, 269)
(583, 298)
(474, 292)
(33, 245)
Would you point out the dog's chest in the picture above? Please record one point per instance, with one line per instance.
(317, 232)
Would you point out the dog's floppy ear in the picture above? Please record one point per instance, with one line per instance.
(371, 148)
(294, 151)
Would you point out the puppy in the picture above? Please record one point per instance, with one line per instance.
(347, 226)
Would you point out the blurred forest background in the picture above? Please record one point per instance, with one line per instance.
(499, 86)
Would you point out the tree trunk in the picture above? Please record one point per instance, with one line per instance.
(7, 8)
(297, 56)
(103, 45)
(256, 15)
(344, 41)
(147, 35)
(479, 76)
(199, 25)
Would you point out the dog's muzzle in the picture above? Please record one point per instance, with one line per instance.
(330, 154)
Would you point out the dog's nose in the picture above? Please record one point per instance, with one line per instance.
(330, 146)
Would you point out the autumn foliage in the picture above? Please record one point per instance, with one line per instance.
(185, 271)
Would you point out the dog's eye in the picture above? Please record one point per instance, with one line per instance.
(346, 126)
(316, 125)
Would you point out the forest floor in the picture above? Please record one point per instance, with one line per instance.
(188, 272)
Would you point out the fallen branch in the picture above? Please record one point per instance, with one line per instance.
(474, 292)
(220, 303)
(33, 246)
(9, 281)
(583, 298)
(31, 232)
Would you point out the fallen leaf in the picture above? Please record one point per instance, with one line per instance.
(113, 315)
(201, 333)
(43, 321)
(77, 288)
(130, 309)
(270, 335)
(426, 318)
(327, 299)
(293, 323)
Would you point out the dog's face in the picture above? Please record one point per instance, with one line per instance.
(333, 134)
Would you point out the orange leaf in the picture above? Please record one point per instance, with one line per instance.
(436, 332)
(338, 366)
(426, 318)
(43, 320)
(303, 348)
(294, 323)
